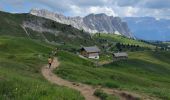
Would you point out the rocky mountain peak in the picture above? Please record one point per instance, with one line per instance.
(92, 23)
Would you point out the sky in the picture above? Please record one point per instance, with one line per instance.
(122, 8)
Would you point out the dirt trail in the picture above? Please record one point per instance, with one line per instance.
(86, 90)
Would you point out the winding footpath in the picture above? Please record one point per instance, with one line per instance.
(86, 90)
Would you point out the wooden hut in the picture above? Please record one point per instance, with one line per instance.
(90, 52)
(120, 56)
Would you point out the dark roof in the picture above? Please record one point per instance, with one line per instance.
(92, 49)
(120, 54)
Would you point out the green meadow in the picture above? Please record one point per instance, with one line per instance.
(21, 60)
(122, 39)
(145, 73)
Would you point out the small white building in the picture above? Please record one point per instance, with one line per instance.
(90, 52)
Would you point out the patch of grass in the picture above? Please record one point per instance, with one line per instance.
(144, 72)
(111, 85)
(103, 96)
(122, 39)
(20, 72)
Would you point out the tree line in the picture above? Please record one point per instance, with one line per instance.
(129, 47)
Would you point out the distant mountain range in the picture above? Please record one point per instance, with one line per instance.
(93, 23)
(146, 28)
(149, 28)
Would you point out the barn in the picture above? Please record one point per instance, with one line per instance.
(120, 56)
(90, 52)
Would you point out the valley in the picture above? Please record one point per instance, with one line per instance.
(26, 41)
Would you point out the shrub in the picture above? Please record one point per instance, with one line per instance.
(11, 56)
(111, 85)
(99, 93)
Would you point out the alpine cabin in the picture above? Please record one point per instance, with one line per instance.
(120, 56)
(90, 52)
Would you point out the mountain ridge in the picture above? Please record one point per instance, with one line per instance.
(39, 28)
(92, 23)
(149, 28)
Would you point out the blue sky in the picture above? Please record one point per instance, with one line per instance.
(122, 8)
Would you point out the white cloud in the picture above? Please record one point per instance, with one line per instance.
(129, 11)
(77, 11)
(122, 8)
(107, 10)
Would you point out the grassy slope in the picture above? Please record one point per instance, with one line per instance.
(144, 72)
(124, 40)
(22, 58)
(10, 24)
(20, 77)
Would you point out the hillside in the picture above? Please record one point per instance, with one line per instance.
(20, 77)
(65, 36)
(26, 25)
(145, 73)
(122, 39)
(26, 40)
